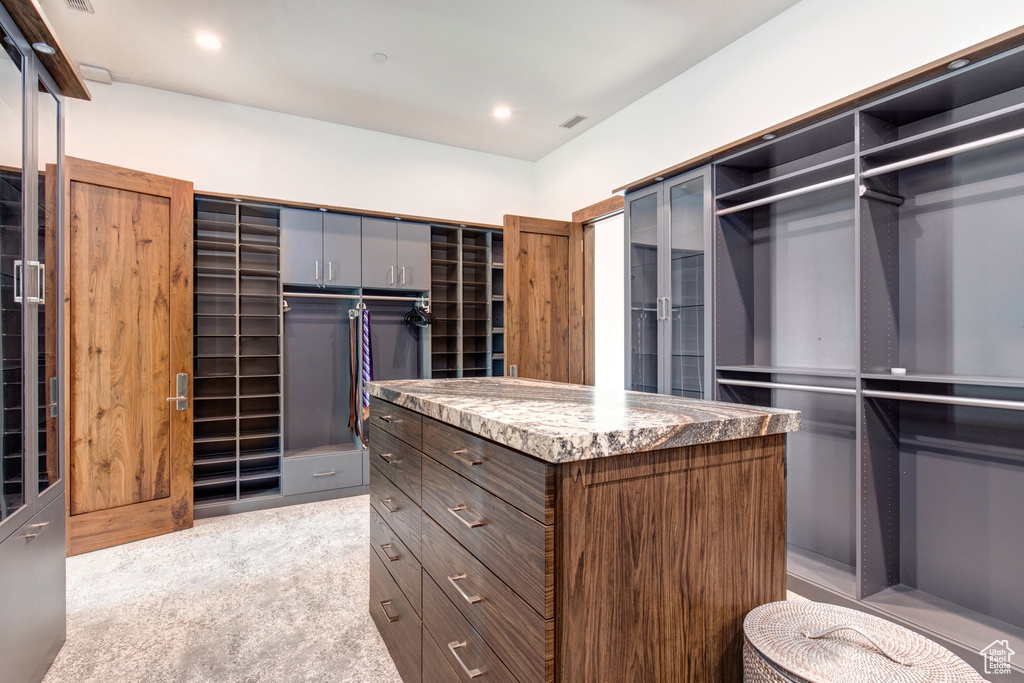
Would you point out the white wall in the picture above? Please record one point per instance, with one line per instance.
(610, 302)
(235, 149)
(816, 52)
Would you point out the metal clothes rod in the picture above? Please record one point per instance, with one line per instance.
(791, 387)
(948, 400)
(786, 195)
(944, 153)
(356, 297)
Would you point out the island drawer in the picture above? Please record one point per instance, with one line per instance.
(514, 477)
(397, 421)
(436, 668)
(510, 543)
(466, 652)
(396, 557)
(397, 460)
(510, 627)
(396, 621)
(397, 509)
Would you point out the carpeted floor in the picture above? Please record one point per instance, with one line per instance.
(276, 595)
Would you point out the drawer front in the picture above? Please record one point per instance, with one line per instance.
(397, 509)
(514, 477)
(396, 557)
(506, 623)
(505, 540)
(396, 621)
(309, 473)
(435, 667)
(397, 460)
(397, 421)
(468, 655)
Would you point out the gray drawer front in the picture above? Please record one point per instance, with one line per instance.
(307, 474)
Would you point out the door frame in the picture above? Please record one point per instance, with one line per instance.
(103, 528)
(658, 192)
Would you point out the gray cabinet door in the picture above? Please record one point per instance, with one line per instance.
(380, 253)
(413, 255)
(342, 253)
(302, 247)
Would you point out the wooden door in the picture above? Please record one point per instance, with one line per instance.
(128, 292)
(544, 298)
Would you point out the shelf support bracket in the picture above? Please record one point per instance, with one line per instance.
(867, 193)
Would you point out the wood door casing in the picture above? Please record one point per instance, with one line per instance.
(128, 303)
(544, 293)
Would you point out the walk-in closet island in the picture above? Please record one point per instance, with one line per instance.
(538, 531)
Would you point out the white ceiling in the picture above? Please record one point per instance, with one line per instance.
(450, 62)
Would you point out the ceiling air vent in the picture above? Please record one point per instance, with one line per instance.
(579, 118)
(81, 6)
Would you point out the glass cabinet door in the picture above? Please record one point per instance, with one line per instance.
(688, 219)
(644, 315)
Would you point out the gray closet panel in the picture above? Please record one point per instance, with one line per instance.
(413, 256)
(380, 253)
(302, 247)
(342, 257)
(397, 350)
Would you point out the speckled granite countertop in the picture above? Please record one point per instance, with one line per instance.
(565, 422)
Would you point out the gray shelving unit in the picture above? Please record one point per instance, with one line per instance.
(867, 273)
(237, 405)
(468, 299)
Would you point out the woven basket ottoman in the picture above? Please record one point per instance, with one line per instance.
(812, 642)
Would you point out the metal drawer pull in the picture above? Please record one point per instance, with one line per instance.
(384, 502)
(385, 547)
(39, 528)
(453, 646)
(468, 461)
(384, 608)
(471, 599)
(459, 508)
(387, 418)
(324, 474)
(389, 458)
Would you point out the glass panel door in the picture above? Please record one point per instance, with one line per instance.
(13, 463)
(688, 220)
(644, 320)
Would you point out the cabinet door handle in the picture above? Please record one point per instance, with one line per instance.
(385, 547)
(459, 508)
(18, 281)
(391, 275)
(471, 460)
(39, 528)
(316, 271)
(455, 645)
(384, 608)
(388, 458)
(403, 276)
(324, 474)
(330, 271)
(387, 418)
(471, 599)
(384, 502)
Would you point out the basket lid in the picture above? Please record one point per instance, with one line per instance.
(825, 643)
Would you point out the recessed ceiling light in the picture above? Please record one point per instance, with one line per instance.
(768, 136)
(380, 57)
(502, 112)
(43, 48)
(209, 41)
(659, 178)
(958, 64)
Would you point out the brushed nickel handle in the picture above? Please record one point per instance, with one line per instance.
(467, 461)
(181, 387)
(385, 501)
(18, 281)
(391, 275)
(471, 599)
(389, 458)
(459, 508)
(177, 398)
(385, 547)
(39, 528)
(387, 418)
(316, 271)
(403, 276)
(384, 608)
(330, 271)
(455, 645)
(40, 297)
(325, 474)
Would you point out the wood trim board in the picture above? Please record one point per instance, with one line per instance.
(602, 209)
(30, 20)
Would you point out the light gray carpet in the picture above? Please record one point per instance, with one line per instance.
(276, 595)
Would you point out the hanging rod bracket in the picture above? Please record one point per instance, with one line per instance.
(867, 193)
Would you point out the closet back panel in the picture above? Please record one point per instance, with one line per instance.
(397, 351)
(317, 378)
(961, 244)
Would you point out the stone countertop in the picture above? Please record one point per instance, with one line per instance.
(566, 422)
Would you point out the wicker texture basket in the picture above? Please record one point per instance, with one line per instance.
(811, 642)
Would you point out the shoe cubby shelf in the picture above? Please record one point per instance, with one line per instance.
(468, 300)
(237, 406)
(867, 273)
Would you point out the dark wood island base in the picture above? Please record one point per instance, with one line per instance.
(489, 563)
